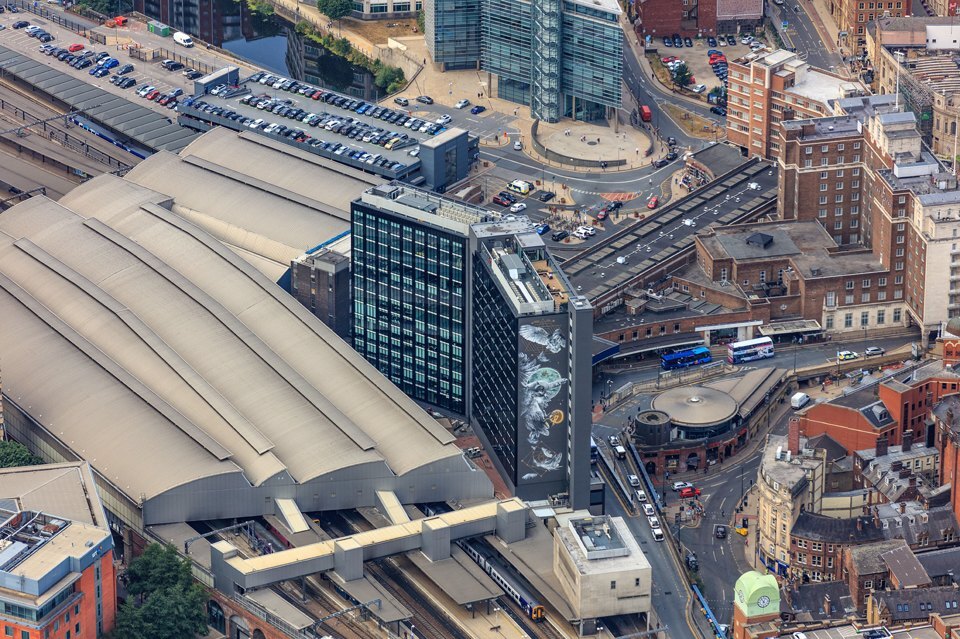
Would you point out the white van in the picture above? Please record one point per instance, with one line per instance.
(799, 400)
(182, 39)
(657, 534)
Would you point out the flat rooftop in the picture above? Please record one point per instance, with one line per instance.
(426, 206)
(824, 128)
(601, 544)
(791, 473)
(807, 244)
(627, 254)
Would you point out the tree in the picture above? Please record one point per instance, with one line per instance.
(16, 454)
(421, 22)
(681, 75)
(335, 9)
(389, 78)
(165, 602)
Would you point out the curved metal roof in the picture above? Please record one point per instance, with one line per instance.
(695, 405)
(162, 357)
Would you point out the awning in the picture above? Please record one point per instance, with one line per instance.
(776, 329)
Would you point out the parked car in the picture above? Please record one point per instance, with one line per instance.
(688, 42)
(711, 41)
(20, 24)
(546, 196)
(461, 104)
(559, 236)
(444, 120)
(424, 99)
(502, 201)
(844, 356)
(73, 48)
(680, 485)
(873, 350)
(518, 207)
(543, 229)
(478, 109)
(125, 69)
(654, 202)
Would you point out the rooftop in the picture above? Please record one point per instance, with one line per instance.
(601, 544)
(789, 474)
(807, 244)
(857, 530)
(807, 602)
(623, 257)
(867, 558)
(941, 563)
(917, 603)
(697, 406)
(903, 564)
(158, 337)
(427, 207)
(41, 544)
(817, 129)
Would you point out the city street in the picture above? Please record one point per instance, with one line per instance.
(802, 35)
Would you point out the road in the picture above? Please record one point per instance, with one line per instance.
(802, 34)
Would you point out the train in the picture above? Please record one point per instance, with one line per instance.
(494, 567)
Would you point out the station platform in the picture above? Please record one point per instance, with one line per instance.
(533, 558)
(366, 589)
(459, 576)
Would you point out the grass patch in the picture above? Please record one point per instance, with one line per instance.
(693, 124)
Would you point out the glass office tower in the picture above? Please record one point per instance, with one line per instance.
(563, 58)
(453, 32)
(410, 262)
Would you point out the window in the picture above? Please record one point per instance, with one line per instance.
(801, 557)
(829, 322)
(855, 172)
(868, 584)
(898, 279)
(898, 294)
(816, 560)
(854, 224)
(855, 210)
(848, 299)
(824, 149)
(801, 543)
(848, 320)
(838, 198)
(865, 284)
(881, 296)
(613, 585)
(898, 266)
(864, 298)
(849, 285)
(822, 213)
(829, 562)
(824, 161)
(882, 281)
(838, 225)
(823, 175)
(838, 211)
(823, 199)
(823, 186)
(896, 316)
(899, 252)
(839, 185)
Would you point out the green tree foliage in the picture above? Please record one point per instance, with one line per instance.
(681, 75)
(260, 7)
(335, 9)
(421, 22)
(165, 602)
(389, 78)
(16, 454)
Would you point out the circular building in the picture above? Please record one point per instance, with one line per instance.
(697, 412)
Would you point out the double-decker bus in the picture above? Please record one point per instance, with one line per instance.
(760, 348)
(688, 357)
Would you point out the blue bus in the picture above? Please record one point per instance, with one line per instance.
(685, 358)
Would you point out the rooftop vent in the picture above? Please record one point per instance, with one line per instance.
(761, 240)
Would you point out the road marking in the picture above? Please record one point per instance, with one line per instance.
(721, 549)
(722, 501)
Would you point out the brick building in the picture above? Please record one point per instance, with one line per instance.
(852, 16)
(57, 567)
(698, 18)
(766, 89)
(877, 417)
(947, 419)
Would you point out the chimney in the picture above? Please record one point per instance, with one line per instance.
(793, 436)
(913, 480)
(904, 473)
(907, 440)
(826, 606)
(881, 445)
(903, 507)
(896, 466)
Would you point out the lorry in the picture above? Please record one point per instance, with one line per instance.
(645, 113)
(183, 39)
(620, 451)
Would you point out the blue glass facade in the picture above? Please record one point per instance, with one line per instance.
(453, 32)
(409, 304)
(563, 59)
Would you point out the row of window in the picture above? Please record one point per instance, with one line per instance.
(881, 318)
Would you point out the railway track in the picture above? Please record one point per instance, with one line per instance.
(428, 621)
(538, 630)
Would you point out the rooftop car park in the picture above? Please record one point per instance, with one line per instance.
(374, 138)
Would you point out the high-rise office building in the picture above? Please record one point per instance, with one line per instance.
(531, 364)
(410, 260)
(467, 312)
(563, 59)
(452, 32)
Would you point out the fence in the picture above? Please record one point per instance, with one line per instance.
(152, 55)
(56, 17)
(63, 138)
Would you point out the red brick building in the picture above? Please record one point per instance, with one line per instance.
(947, 419)
(698, 18)
(66, 582)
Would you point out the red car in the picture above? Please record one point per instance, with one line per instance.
(73, 48)
(654, 202)
(317, 95)
(688, 493)
(502, 201)
(152, 95)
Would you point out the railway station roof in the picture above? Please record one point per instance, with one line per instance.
(153, 130)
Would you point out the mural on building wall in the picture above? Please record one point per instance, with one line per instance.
(542, 400)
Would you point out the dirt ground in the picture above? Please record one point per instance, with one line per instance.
(695, 125)
(379, 31)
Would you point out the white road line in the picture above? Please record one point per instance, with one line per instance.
(721, 549)
(722, 501)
